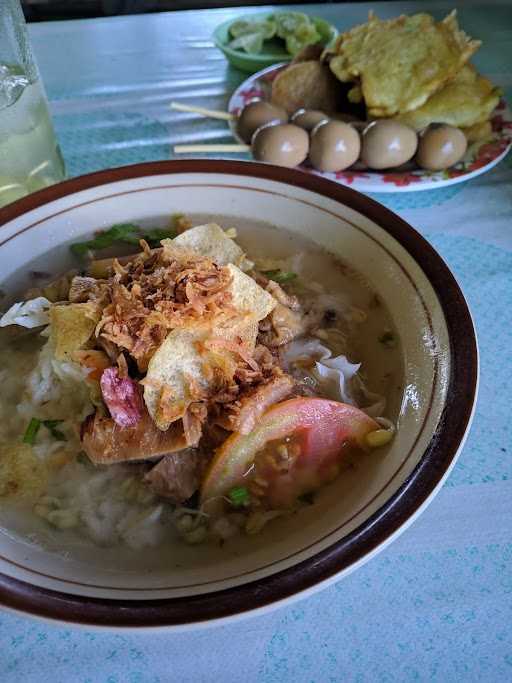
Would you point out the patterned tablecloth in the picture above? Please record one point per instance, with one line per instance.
(437, 604)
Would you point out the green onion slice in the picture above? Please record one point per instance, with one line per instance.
(280, 276)
(51, 426)
(239, 496)
(155, 236)
(31, 431)
(127, 233)
(35, 424)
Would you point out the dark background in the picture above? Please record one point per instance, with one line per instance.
(44, 10)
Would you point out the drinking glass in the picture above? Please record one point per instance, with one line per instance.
(30, 157)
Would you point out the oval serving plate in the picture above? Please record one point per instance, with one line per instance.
(480, 157)
(353, 518)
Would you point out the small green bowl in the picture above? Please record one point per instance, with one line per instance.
(274, 54)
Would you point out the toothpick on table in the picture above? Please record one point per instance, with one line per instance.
(211, 113)
(184, 149)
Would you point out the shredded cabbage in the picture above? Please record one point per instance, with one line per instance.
(336, 376)
(32, 313)
(336, 373)
(55, 389)
(333, 374)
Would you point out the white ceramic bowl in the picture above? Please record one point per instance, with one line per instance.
(352, 520)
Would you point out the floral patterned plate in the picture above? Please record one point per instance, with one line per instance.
(480, 157)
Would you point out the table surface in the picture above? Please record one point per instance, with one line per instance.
(436, 604)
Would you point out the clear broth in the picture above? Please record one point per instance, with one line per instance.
(382, 365)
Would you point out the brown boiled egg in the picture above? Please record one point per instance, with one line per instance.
(440, 147)
(256, 114)
(387, 144)
(281, 144)
(308, 118)
(334, 146)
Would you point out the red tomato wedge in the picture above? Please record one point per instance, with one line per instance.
(296, 447)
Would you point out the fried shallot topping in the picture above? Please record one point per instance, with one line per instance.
(156, 292)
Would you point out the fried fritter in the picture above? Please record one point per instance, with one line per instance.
(308, 54)
(478, 132)
(465, 101)
(398, 64)
(307, 84)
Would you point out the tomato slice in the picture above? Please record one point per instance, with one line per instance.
(296, 448)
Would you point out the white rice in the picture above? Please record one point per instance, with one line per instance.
(107, 504)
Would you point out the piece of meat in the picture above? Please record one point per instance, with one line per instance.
(282, 297)
(106, 443)
(56, 290)
(245, 413)
(122, 397)
(84, 289)
(182, 224)
(213, 436)
(307, 84)
(176, 476)
(286, 324)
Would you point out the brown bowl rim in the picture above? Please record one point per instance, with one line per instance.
(360, 543)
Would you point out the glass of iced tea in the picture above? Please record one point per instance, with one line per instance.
(30, 157)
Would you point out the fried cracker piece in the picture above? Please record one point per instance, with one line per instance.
(308, 85)
(183, 368)
(248, 296)
(71, 328)
(399, 63)
(210, 240)
(465, 101)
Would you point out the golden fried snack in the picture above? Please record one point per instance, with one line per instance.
(465, 101)
(308, 53)
(398, 64)
(478, 132)
(308, 85)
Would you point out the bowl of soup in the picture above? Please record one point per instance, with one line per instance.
(224, 385)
